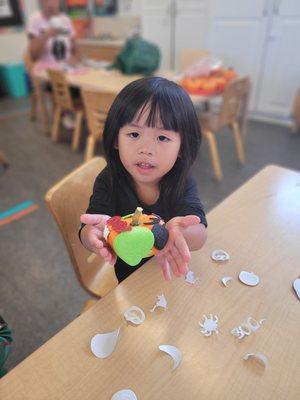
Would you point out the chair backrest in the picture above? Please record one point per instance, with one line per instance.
(235, 97)
(187, 57)
(97, 105)
(67, 200)
(61, 90)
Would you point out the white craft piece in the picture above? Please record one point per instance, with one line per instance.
(161, 302)
(135, 315)
(103, 344)
(296, 286)
(220, 255)
(190, 278)
(125, 394)
(225, 280)
(249, 278)
(209, 325)
(261, 358)
(174, 352)
(246, 328)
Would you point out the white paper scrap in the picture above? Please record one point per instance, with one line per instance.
(225, 280)
(261, 358)
(174, 352)
(161, 302)
(220, 255)
(125, 394)
(190, 278)
(249, 278)
(103, 344)
(296, 286)
(209, 325)
(135, 315)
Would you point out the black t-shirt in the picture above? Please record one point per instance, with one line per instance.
(125, 201)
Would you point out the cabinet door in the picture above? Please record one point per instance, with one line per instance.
(237, 32)
(156, 27)
(190, 27)
(281, 70)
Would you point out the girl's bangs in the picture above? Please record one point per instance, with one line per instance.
(160, 113)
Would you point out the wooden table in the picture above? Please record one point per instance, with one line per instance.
(259, 225)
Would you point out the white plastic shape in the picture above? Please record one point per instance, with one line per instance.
(209, 325)
(249, 278)
(125, 394)
(190, 278)
(296, 286)
(225, 280)
(261, 358)
(103, 344)
(135, 315)
(174, 352)
(220, 255)
(161, 302)
(246, 328)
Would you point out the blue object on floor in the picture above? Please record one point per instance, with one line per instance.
(13, 77)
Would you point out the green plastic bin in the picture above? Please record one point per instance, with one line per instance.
(13, 77)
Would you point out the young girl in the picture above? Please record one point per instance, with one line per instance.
(151, 138)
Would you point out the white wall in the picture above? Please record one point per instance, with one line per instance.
(13, 44)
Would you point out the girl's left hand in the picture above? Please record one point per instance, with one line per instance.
(176, 254)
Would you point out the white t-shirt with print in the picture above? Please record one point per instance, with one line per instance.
(58, 48)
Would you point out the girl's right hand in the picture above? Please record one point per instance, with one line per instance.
(92, 238)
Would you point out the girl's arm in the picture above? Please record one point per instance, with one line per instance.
(185, 234)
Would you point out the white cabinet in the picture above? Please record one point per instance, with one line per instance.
(259, 38)
(174, 25)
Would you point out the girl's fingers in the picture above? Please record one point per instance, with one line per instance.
(94, 219)
(173, 264)
(166, 269)
(181, 264)
(183, 248)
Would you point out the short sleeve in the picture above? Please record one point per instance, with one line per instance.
(101, 201)
(34, 25)
(191, 203)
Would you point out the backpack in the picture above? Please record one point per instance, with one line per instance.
(138, 56)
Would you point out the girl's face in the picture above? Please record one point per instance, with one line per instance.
(49, 7)
(147, 153)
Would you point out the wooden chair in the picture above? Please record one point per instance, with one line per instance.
(67, 200)
(97, 105)
(187, 57)
(63, 102)
(233, 113)
(295, 114)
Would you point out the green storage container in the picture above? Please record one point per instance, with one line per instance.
(13, 78)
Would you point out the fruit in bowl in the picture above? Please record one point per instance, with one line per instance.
(136, 236)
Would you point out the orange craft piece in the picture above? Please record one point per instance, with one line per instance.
(213, 84)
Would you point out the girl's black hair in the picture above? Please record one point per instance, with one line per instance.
(171, 105)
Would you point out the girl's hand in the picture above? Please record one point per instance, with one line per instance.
(176, 254)
(92, 238)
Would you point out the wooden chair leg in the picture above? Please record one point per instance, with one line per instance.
(3, 160)
(56, 124)
(238, 142)
(33, 105)
(88, 304)
(214, 154)
(90, 147)
(77, 131)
